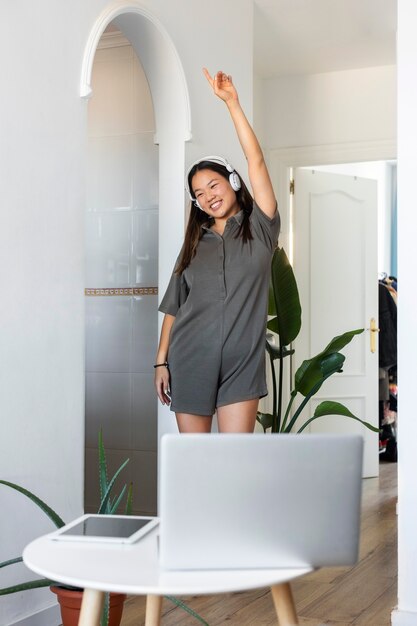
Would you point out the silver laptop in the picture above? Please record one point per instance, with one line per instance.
(259, 501)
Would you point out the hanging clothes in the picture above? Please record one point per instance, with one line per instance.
(388, 328)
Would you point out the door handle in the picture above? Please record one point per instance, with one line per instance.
(373, 329)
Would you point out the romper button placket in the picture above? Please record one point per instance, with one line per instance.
(221, 269)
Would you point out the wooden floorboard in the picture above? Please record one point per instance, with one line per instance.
(363, 595)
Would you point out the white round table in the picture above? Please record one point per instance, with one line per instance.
(134, 569)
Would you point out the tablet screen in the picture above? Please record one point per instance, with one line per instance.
(107, 528)
(103, 526)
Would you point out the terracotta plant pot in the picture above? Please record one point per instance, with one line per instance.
(70, 604)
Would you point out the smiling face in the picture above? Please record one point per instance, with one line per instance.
(214, 194)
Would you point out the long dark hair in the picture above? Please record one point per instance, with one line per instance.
(198, 218)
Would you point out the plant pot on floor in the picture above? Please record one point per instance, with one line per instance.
(70, 604)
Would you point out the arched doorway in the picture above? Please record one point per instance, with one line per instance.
(164, 74)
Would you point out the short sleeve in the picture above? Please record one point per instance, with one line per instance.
(175, 295)
(266, 228)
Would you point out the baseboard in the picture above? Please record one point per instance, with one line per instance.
(403, 618)
(50, 616)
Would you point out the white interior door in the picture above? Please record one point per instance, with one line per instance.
(335, 262)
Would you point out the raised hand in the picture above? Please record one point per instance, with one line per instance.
(260, 181)
(222, 85)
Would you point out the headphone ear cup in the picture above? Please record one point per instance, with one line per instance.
(197, 204)
(234, 181)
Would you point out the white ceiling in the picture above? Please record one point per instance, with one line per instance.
(312, 36)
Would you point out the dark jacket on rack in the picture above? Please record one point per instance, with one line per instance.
(388, 328)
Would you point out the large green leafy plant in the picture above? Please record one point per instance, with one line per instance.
(109, 505)
(285, 323)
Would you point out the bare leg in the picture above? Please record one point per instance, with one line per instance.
(284, 604)
(153, 610)
(188, 423)
(237, 418)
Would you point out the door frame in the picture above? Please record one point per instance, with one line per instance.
(282, 160)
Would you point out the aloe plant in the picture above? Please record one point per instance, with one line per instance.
(285, 311)
(108, 506)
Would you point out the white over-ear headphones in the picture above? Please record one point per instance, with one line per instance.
(234, 179)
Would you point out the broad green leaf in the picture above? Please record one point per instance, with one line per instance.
(335, 408)
(287, 301)
(275, 351)
(272, 325)
(271, 300)
(332, 363)
(314, 371)
(53, 516)
(339, 342)
(311, 371)
(265, 420)
(307, 398)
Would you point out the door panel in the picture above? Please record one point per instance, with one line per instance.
(335, 261)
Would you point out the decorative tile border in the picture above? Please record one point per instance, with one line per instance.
(122, 291)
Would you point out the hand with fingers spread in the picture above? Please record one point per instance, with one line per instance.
(222, 86)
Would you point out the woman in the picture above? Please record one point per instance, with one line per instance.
(211, 355)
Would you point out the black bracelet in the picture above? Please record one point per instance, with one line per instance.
(166, 364)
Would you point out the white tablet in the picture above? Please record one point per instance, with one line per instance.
(107, 528)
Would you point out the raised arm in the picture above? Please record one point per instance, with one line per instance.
(260, 181)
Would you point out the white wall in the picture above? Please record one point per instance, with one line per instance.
(330, 108)
(406, 615)
(333, 117)
(42, 195)
(42, 125)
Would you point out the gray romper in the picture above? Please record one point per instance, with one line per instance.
(217, 343)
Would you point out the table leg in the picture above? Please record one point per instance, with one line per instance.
(91, 607)
(153, 610)
(284, 604)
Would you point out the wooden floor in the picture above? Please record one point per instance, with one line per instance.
(362, 595)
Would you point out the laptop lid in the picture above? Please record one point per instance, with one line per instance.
(257, 501)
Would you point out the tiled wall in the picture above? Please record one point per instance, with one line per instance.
(121, 274)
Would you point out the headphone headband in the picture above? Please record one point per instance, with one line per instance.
(233, 178)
